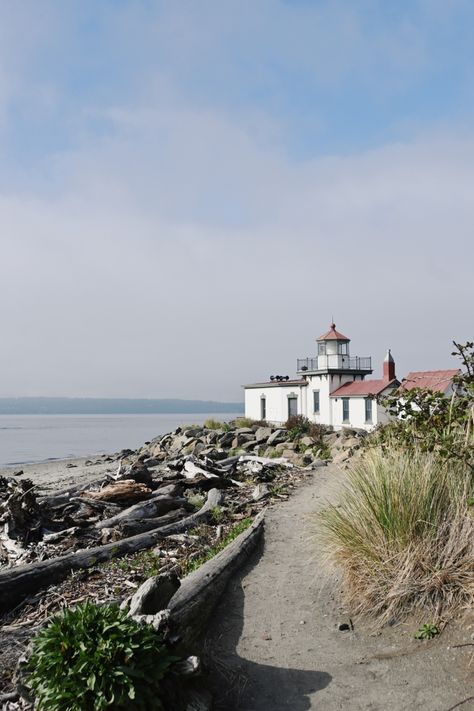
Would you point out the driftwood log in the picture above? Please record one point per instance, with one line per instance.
(194, 602)
(124, 490)
(64, 496)
(19, 582)
(132, 528)
(148, 509)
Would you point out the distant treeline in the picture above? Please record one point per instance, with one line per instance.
(112, 406)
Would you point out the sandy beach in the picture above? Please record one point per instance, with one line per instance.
(59, 474)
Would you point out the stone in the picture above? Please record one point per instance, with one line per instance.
(277, 437)
(244, 430)
(241, 439)
(193, 431)
(352, 443)
(180, 442)
(249, 445)
(199, 448)
(307, 441)
(348, 432)
(226, 440)
(262, 434)
(154, 595)
(316, 463)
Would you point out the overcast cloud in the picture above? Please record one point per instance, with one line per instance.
(190, 191)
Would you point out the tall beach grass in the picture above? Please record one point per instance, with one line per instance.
(403, 534)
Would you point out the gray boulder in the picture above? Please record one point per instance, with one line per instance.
(278, 437)
(262, 434)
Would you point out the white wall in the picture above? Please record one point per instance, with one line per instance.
(276, 401)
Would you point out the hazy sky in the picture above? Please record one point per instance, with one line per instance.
(189, 191)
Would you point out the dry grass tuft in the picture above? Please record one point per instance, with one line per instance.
(404, 535)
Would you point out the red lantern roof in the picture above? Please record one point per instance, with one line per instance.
(333, 335)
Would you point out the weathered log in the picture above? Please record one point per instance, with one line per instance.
(132, 528)
(125, 490)
(148, 509)
(19, 582)
(192, 605)
(62, 497)
(173, 489)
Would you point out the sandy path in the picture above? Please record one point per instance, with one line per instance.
(276, 644)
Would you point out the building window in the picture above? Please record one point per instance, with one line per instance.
(316, 402)
(368, 409)
(345, 409)
(263, 408)
(292, 406)
(342, 348)
(322, 348)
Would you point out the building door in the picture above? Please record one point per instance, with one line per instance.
(292, 406)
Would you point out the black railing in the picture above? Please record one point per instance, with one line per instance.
(333, 362)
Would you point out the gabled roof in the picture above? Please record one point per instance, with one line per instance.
(436, 380)
(361, 388)
(333, 335)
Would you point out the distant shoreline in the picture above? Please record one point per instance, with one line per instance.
(114, 406)
(35, 438)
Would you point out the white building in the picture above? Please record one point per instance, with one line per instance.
(331, 388)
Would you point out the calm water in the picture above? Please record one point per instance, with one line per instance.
(35, 438)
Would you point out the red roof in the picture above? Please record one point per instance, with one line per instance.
(333, 335)
(363, 387)
(436, 380)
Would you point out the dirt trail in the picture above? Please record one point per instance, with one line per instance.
(275, 642)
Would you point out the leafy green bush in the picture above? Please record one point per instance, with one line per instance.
(427, 420)
(297, 426)
(90, 658)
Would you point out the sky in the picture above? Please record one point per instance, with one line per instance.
(191, 191)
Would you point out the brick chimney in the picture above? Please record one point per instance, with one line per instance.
(389, 367)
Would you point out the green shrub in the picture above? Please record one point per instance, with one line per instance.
(403, 534)
(211, 424)
(297, 426)
(427, 631)
(423, 419)
(90, 658)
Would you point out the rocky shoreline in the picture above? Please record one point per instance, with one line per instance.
(163, 509)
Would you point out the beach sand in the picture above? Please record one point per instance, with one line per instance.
(59, 474)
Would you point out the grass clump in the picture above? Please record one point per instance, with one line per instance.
(145, 563)
(212, 424)
(404, 535)
(190, 565)
(90, 658)
(244, 422)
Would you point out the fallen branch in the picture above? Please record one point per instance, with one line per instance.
(148, 509)
(193, 603)
(17, 583)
